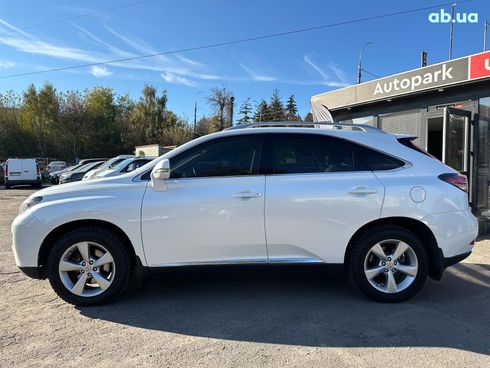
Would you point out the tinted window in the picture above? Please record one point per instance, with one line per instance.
(134, 165)
(228, 156)
(375, 160)
(308, 153)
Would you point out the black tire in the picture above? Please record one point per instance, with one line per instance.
(7, 185)
(360, 249)
(113, 244)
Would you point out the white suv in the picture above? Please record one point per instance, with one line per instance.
(318, 193)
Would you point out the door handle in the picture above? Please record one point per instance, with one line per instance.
(362, 190)
(246, 194)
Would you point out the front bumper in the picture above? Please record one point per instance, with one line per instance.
(27, 234)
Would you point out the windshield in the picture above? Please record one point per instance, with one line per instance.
(122, 164)
(110, 164)
(88, 166)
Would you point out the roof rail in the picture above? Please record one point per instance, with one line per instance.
(299, 124)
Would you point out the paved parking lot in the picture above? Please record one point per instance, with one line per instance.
(248, 317)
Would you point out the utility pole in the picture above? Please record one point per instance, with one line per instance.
(359, 66)
(451, 32)
(423, 59)
(232, 104)
(485, 29)
(195, 114)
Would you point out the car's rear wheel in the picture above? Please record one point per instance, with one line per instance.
(89, 266)
(388, 264)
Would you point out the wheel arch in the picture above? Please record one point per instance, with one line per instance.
(423, 232)
(56, 233)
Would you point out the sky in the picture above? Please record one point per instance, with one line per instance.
(300, 64)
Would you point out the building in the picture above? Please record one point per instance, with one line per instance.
(152, 150)
(446, 105)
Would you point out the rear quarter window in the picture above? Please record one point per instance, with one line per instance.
(375, 160)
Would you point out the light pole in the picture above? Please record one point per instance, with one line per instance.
(451, 29)
(359, 66)
(195, 113)
(485, 30)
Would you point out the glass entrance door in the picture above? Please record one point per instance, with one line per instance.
(456, 139)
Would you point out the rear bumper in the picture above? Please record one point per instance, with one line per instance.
(454, 231)
(440, 264)
(22, 182)
(455, 259)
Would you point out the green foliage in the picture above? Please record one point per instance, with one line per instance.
(276, 107)
(94, 123)
(99, 123)
(246, 112)
(291, 110)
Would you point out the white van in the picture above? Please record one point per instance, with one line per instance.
(21, 171)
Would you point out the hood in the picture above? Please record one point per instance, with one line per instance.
(85, 188)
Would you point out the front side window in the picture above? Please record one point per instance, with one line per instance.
(309, 153)
(228, 156)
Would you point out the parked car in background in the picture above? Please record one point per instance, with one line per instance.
(109, 164)
(88, 160)
(125, 166)
(77, 174)
(22, 171)
(56, 166)
(2, 177)
(54, 177)
(324, 193)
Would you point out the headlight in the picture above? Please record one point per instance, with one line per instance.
(28, 203)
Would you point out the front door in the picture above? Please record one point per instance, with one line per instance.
(213, 208)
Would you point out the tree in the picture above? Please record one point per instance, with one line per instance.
(262, 112)
(100, 111)
(309, 117)
(276, 107)
(219, 99)
(40, 113)
(148, 117)
(292, 110)
(246, 112)
(73, 125)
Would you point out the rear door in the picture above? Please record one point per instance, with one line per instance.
(29, 170)
(14, 168)
(317, 195)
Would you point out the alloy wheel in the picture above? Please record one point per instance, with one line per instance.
(86, 269)
(391, 266)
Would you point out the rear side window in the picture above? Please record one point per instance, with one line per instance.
(309, 153)
(375, 160)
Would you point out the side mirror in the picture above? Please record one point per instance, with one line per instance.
(161, 171)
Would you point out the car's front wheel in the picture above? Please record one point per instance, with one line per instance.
(89, 266)
(388, 264)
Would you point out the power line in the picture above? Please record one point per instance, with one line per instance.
(61, 20)
(227, 43)
(371, 74)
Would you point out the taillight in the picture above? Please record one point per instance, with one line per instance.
(7, 170)
(456, 179)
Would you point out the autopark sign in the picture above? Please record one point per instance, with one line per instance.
(431, 77)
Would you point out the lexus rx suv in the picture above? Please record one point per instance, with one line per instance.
(255, 194)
